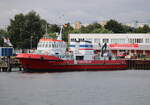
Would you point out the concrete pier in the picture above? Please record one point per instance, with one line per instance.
(138, 64)
(7, 63)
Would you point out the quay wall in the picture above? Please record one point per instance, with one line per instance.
(138, 64)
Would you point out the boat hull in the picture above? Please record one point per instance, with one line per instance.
(54, 64)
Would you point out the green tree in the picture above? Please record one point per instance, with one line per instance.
(102, 30)
(3, 33)
(90, 28)
(76, 31)
(144, 29)
(53, 28)
(53, 35)
(114, 26)
(66, 30)
(16, 29)
(128, 29)
(24, 27)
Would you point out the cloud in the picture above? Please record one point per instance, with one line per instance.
(85, 11)
(14, 11)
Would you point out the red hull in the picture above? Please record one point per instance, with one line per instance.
(34, 62)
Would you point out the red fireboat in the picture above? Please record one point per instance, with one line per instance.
(51, 55)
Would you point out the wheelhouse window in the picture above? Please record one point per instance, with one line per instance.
(105, 40)
(46, 45)
(97, 40)
(43, 44)
(52, 45)
(49, 45)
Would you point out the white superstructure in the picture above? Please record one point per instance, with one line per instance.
(82, 49)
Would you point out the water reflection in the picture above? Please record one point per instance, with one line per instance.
(75, 88)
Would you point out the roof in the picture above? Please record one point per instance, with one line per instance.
(45, 39)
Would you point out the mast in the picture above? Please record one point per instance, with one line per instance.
(60, 34)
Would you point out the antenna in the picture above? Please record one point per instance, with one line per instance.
(46, 30)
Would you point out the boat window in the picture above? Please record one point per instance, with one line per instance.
(49, 45)
(105, 40)
(42, 44)
(56, 45)
(46, 45)
(59, 44)
(52, 45)
(96, 40)
(63, 44)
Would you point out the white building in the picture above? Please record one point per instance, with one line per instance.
(132, 43)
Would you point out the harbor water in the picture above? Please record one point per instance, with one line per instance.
(129, 87)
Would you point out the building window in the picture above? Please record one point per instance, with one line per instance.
(130, 41)
(117, 40)
(147, 40)
(140, 40)
(137, 40)
(105, 40)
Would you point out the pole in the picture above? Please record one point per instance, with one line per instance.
(31, 42)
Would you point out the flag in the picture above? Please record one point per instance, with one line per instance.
(7, 41)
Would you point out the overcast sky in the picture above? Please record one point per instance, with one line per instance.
(86, 11)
